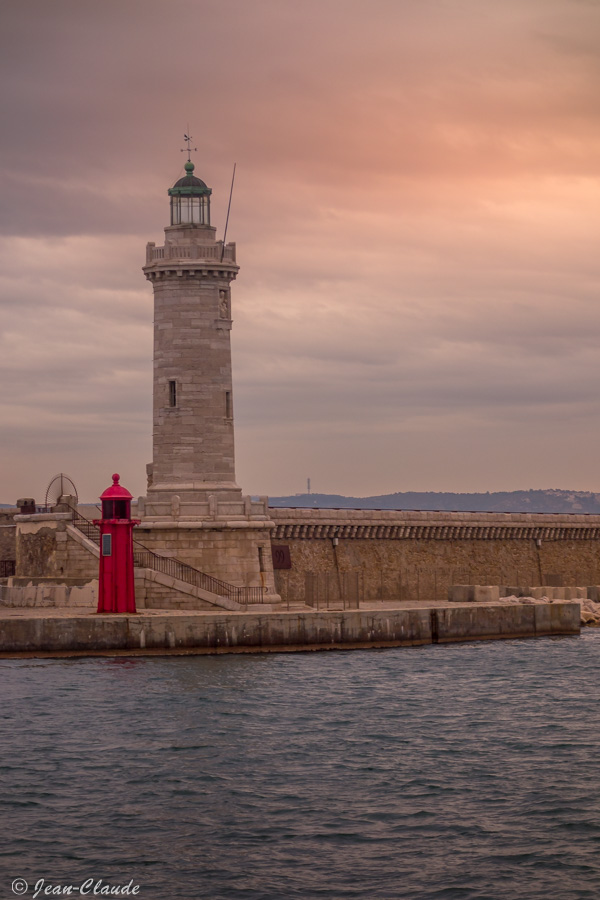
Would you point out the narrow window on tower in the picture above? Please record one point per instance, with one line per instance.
(172, 393)
(228, 413)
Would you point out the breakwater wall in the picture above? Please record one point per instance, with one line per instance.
(7, 533)
(418, 555)
(40, 596)
(253, 632)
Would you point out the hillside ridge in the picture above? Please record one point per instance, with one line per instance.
(552, 500)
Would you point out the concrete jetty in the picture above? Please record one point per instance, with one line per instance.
(65, 632)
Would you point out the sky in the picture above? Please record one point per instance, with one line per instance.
(416, 212)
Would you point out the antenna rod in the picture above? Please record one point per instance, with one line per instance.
(228, 209)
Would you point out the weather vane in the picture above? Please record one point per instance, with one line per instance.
(189, 147)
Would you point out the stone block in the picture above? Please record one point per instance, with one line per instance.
(515, 591)
(485, 593)
(460, 593)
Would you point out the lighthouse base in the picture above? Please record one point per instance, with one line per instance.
(231, 541)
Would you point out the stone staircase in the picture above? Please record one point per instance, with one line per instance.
(166, 583)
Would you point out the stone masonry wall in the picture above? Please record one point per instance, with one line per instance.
(193, 437)
(149, 595)
(229, 554)
(7, 533)
(77, 559)
(46, 549)
(36, 552)
(418, 555)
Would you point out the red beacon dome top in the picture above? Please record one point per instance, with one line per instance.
(116, 491)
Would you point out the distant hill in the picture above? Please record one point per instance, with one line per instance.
(547, 501)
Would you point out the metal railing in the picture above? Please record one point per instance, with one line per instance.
(327, 590)
(373, 584)
(91, 531)
(194, 251)
(146, 559)
(7, 567)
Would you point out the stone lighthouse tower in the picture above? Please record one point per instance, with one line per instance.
(193, 452)
(194, 509)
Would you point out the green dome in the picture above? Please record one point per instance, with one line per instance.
(189, 184)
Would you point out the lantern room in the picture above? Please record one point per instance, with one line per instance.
(116, 501)
(190, 199)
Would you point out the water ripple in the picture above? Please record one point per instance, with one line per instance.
(457, 772)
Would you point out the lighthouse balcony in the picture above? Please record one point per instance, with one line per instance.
(188, 503)
(213, 251)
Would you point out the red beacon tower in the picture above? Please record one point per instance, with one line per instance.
(116, 592)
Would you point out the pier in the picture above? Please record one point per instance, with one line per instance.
(65, 632)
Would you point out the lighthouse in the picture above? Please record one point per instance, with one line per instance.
(194, 509)
(191, 275)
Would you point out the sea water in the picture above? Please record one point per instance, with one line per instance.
(453, 771)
